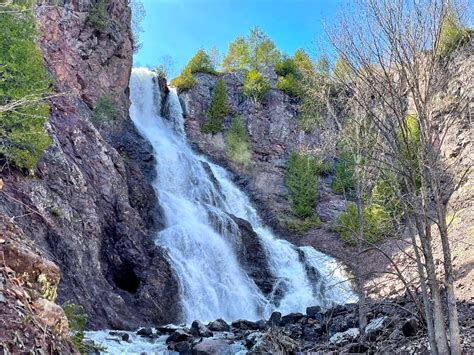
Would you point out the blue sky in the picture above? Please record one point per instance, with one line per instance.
(178, 28)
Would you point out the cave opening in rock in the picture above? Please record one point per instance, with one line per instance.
(126, 279)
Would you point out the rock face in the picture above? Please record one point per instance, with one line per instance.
(89, 203)
(31, 322)
(273, 130)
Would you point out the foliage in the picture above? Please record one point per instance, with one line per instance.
(289, 85)
(385, 193)
(104, 110)
(24, 83)
(302, 183)
(302, 61)
(451, 35)
(409, 136)
(286, 66)
(200, 63)
(255, 51)
(217, 109)
(255, 86)
(322, 66)
(303, 225)
(342, 70)
(98, 15)
(343, 175)
(238, 142)
(77, 319)
(376, 221)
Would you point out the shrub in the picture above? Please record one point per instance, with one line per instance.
(24, 82)
(200, 63)
(385, 193)
(104, 110)
(217, 109)
(302, 183)
(286, 66)
(303, 225)
(255, 85)
(238, 142)
(376, 222)
(343, 175)
(302, 61)
(451, 35)
(98, 15)
(77, 319)
(289, 85)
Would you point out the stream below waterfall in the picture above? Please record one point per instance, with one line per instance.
(201, 237)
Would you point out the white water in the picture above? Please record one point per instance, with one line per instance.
(201, 238)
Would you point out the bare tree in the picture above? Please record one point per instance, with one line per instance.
(396, 52)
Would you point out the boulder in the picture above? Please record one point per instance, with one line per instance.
(312, 311)
(200, 330)
(376, 325)
(242, 324)
(145, 332)
(179, 335)
(291, 318)
(215, 346)
(342, 338)
(275, 319)
(219, 325)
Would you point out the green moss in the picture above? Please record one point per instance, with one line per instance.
(255, 86)
(25, 82)
(238, 142)
(217, 109)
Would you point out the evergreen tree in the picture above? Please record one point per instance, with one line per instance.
(238, 142)
(217, 109)
(199, 63)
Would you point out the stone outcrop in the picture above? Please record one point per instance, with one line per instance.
(89, 203)
(31, 322)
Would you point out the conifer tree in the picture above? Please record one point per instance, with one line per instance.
(217, 109)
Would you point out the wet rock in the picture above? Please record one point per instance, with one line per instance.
(252, 339)
(344, 337)
(290, 318)
(169, 328)
(341, 323)
(213, 346)
(410, 327)
(182, 347)
(275, 319)
(122, 335)
(312, 311)
(200, 330)
(145, 332)
(242, 324)
(219, 325)
(179, 335)
(355, 348)
(376, 325)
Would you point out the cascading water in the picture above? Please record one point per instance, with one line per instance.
(200, 236)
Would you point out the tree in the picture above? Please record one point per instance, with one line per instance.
(255, 86)
(342, 69)
(394, 53)
(138, 14)
(238, 147)
(199, 63)
(24, 87)
(256, 51)
(217, 109)
(322, 66)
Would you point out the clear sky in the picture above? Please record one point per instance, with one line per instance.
(179, 28)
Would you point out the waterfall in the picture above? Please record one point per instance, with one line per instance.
(201, 237)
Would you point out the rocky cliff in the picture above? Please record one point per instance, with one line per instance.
(88, 204)
(274, 133)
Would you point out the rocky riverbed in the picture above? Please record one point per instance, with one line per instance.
(393, 328)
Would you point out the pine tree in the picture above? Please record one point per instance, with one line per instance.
(217, 109)
(238, 142)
